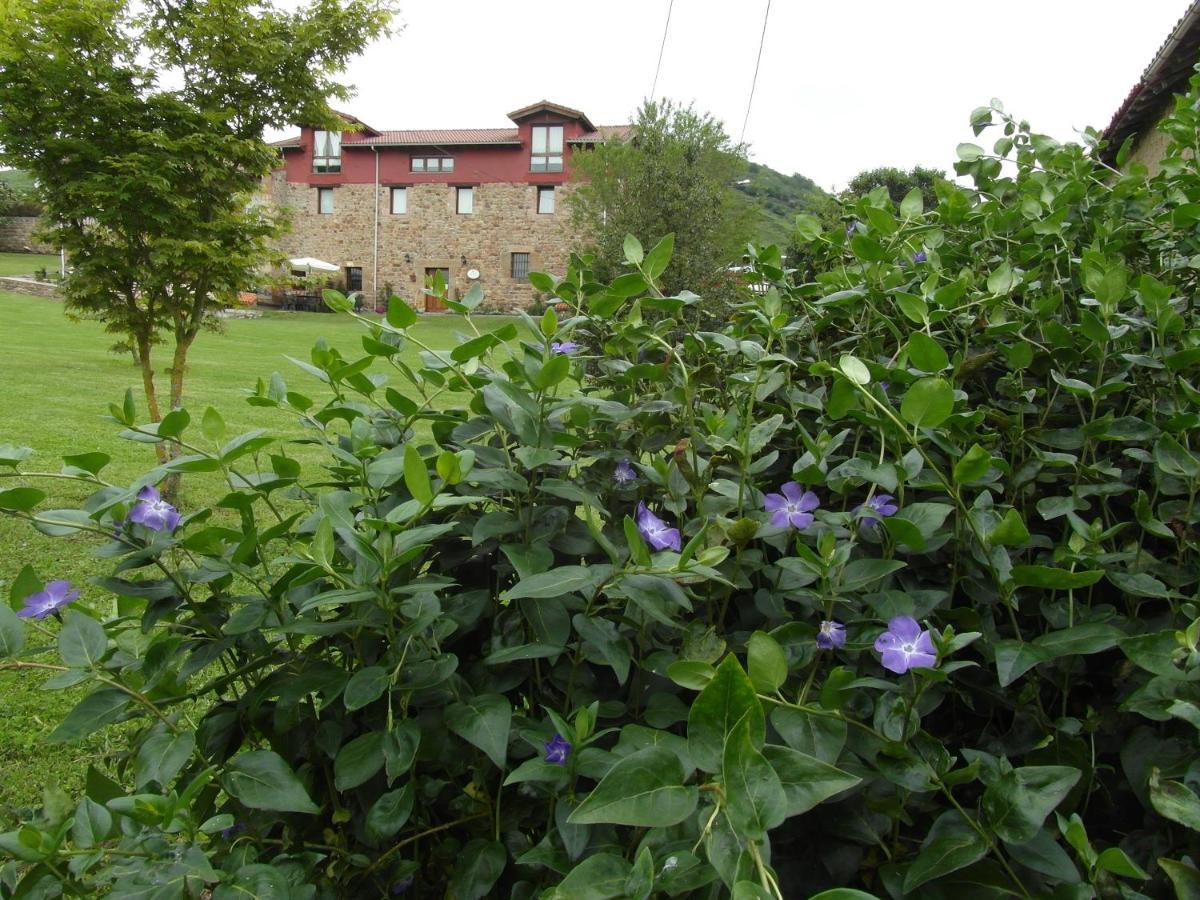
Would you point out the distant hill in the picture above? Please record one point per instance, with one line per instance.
(19, 181)
(780, 198)
(16, 194)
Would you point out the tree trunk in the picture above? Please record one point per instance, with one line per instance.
(178, 366)
(143, 352)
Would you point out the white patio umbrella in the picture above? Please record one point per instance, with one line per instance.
(308, 263)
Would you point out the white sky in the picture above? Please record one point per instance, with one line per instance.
(844, 86)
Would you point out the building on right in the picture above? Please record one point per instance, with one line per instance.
(1152, 97)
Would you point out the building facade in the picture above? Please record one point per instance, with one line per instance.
(394, 208)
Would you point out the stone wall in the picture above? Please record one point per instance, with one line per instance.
(16, 235)
(431, 234)
(29, 286)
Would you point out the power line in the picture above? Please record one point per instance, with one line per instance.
(661, 48)
(762, 40)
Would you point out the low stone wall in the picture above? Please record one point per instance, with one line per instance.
(16, 235)
(29, 286)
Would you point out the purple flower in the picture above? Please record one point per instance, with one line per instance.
(232, 831)
(402, 886)
(884, 385)
(905, 646)
(56, 595)
(655, 530)
(153, 511)
(850, 228)
(831, 635)
(557, 750)
(624, 473)
(919, 256)
(564, 347)
(792, 508)
(878, 507)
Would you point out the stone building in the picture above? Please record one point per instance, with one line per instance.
(476, 205)
(1154, 94)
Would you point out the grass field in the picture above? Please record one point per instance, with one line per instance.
(58, 380)
(27, 263)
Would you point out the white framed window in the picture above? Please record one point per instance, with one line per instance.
(433, 164)
(327, 151)
(466, 200)
(325, 201)
(547, 149)
(545, 200)
(399, 201)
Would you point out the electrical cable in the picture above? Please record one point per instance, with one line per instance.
(661, 48)
(754, 82)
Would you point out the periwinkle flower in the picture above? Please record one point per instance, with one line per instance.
(919, 256)
(850, 228)
(792, 507)
(655, 530)
(876, 509)
(402, 886)
(232, 831)
(905, 646)
(557, 750)
(153, 511)
(831, 635)
(57, 594)
(563, 347)
(624, 473)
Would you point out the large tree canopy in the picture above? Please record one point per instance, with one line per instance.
(674, 174)
(143, 127)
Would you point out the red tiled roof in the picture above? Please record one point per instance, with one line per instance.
(602, 133)
(1167, 74)
(526, 111)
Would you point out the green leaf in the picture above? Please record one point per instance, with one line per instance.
(808, 228)
(92, 824)
(365, 687)
(400, 748)
(484, 721)
(1010, 531)
(843, 894)
(633, 250)
(866, 248)
(951, 844)
(400, 314)
(416, 475)
(1018, 802)
(549, 323)
(969, 152)
(913, 204)
(1114, 860)
(161, 758)
(261, 779)
(972, 465)
(12, 632)
(553, 371)
(480, 865)
(99, 708)
(389, 813)
(925, 353)
(173, 423)
(854, 369)
(82, 642)
(1052, 578)
(1175, 459)
(766, 661)
(601, 876)
(21, 499)
(806, 780)
(644, 789)
(1174, 801)
(1002, 280)
(721, 705)
(754, 798)
(658, 258)
(1184, 878)
(554, 583)
(212, 426)
(928, 402)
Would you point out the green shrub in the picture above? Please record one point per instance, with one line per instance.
(889, 582)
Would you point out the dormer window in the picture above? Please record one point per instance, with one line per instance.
(327, 151)
(547, 149)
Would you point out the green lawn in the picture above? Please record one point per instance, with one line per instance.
(27, 263)
(58, 380)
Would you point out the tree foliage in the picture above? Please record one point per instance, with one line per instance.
(675, 173)
(143, 127)
(897, 182)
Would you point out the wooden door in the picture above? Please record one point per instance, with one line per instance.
(435, 304)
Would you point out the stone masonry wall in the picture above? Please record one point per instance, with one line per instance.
(16, 235)
(431, 235)
(29, 286)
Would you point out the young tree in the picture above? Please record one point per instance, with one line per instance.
(143, 123)
(674, 173)
(897, 181)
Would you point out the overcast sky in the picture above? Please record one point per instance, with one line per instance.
(843, 86)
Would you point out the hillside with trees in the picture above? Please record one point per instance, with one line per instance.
(780, 198)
